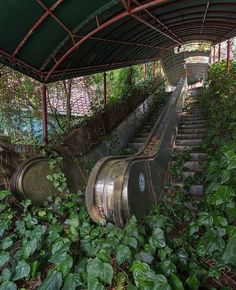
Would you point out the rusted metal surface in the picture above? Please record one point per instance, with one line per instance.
(122, 186)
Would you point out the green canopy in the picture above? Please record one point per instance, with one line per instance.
(50, 40)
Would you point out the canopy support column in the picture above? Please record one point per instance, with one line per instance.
(105, 88)
(210, 56)
(219, 52)
(228, 56)
(214, 54)
(44, 114)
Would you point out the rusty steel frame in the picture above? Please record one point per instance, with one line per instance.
(228, 56)
(219, 52)
(36, 26)
(160, 22)
(44, 114)
(205, 15)
(100, 28)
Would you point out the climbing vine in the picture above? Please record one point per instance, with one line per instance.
(182, 244)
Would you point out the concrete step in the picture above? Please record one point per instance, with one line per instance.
(138, 140)
(192, 126)
(192, 131)
(198, 122)
(193, 142)
(193, 166)
(190, 136)
(187, 174)
(135, 145)
(196, 190)
(178, 148)
(198, 156)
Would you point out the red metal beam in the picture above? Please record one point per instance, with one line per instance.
(100, 28)
(219, 52)
(214, 54)
(177, 39)
(35, 26)
(44, 114)
(204, 17)
(228, 56)
(105, 88)
(56, 19)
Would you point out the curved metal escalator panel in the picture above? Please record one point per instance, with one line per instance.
(122, 186)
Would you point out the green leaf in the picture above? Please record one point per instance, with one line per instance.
(72, 281)
(205, 219)
(4, 258)
(231, 231)
(7, 285)
(122, 254)
(6, 274)
(193, 282)
(160, 283)
(104, 271)
(53, 281)
(220, 221)
(229, 256)
(193, 228)
(212, 242)
(29, 247)
(94, 284)
(221, 196)
(176, 283)
(66, 265)
(167, 267)
(7, 243)
(145, 257)
(22, 271)
(157, 239)
(131, 242)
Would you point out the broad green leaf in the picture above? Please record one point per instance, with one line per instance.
(231, 231)
(22, 271)
(94, 284)
(53, 281)
(29, 247)
(193, 228)
(4, 258)
(131, 242)
(176, 283)
(193, 282)
(167, 267)
(157, 239)
(205, 219)
(7, 285)
(104, 271)
(7, 243)
(221, 196)
(66, 265)
(220, 221)
(212, 242)
(229, 256)
(122, 254)
(160, 283)
(144, 256)
(6, 274)
(72, 281)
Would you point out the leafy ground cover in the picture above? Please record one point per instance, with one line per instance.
(57, 246)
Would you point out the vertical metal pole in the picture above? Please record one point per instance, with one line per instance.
(105, 88)
(154, 69)
(145, 71)
(44, 114)
(228, 56)
(214, 54)
(210, 60)
(219, 52)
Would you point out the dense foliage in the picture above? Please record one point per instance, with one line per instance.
(183, 244)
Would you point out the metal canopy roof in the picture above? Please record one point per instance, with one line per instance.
(51, 40)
